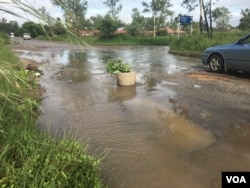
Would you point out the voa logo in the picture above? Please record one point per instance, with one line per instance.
(236, 179)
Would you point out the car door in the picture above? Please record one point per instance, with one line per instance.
(239, 56)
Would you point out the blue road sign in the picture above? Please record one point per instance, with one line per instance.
(185, 19)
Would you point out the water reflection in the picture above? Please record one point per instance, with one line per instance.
(122, 93)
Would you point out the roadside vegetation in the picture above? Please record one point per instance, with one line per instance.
(213, 28)
(29, 157)
(197, 43)
(188, 44)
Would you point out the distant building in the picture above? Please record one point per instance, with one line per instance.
(173, 32)
(90, 32)
(170, 31)
(120, 31)
(148, 33)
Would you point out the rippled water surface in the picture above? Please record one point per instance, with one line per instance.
(151, 141)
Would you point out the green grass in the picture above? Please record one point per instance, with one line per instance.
(30, 158)
(121, 40)
(193, 44)
(198, 43)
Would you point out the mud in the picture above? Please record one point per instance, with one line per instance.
(179, 126)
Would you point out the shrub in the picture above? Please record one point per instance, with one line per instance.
(161, 33)
(114, 66)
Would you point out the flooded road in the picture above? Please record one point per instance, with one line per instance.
(180, 126)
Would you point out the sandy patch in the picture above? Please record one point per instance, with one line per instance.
(207, 76)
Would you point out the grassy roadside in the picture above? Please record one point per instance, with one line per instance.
(30, 158)
(191, 45)
(196, 44)
(120, 40)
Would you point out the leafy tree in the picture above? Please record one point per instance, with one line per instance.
(88, 24)
(96, 21)
(113, 8)
(159, 10)
(4, 20)
(245, 20)
(221, 16)
(110, 22)
(58, 28)
(32, 28)
(7, 27)
(149, 23)
(191, 4)
(137, 24)
(108, 27)
(74, 12)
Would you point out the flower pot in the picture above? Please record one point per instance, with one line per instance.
(126, 78)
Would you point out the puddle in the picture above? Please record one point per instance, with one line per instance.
(147, 133)
(151, 140)
(177, 132)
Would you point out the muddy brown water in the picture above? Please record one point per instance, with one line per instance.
(153, 139)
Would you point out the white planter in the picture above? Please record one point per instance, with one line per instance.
(126, 78)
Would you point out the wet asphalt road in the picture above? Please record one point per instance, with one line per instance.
(218, 103)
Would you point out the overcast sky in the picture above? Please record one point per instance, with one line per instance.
(97, 7)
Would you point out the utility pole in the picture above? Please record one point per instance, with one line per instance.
(201, 18)
(154, 25)
(153, 7)
(211, 29)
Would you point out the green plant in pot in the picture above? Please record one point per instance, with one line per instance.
(123, 71)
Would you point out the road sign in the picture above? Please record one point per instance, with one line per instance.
(185, 19)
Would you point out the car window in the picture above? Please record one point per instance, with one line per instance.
(247, 41)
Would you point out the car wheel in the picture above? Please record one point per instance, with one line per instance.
(216, 63)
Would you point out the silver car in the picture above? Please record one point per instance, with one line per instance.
(235, 56)
(12, 35)
(26, 36)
